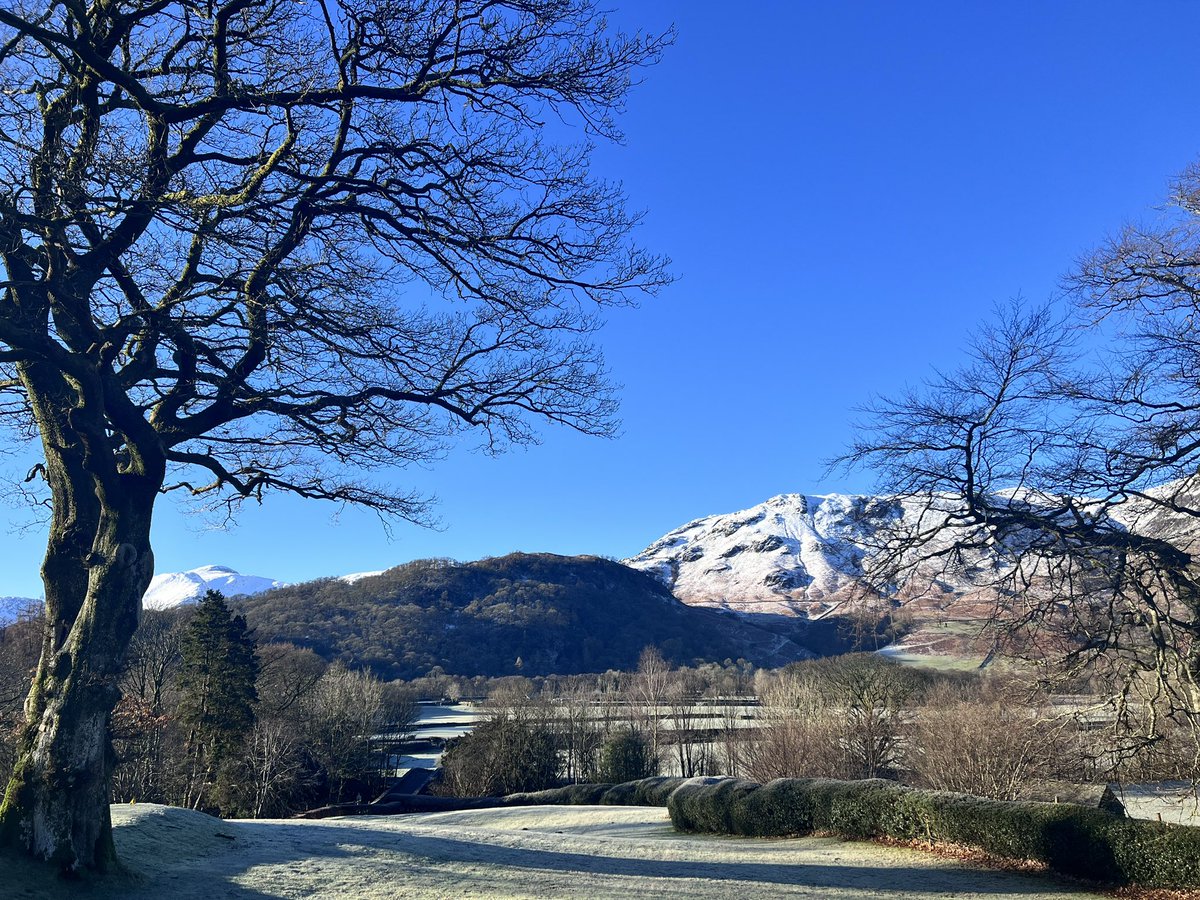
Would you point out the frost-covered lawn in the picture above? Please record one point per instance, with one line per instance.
(1166, 801)
(548, 851)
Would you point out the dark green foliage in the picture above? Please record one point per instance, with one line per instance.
(217, 674)
(626, 756)
(853, 809)
(643, 792)
(1155, 854)
(570, 795)
(217, 693)
(504, 755)
(653, 791)
(780, 807)
(1074, 840)
(705, 805)
(556, 614)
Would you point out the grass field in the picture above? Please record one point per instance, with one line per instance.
(619, 852)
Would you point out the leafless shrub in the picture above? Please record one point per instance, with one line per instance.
(344, 710)
(987, 746)
(801, 732)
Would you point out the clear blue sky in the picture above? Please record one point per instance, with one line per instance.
(845, 189)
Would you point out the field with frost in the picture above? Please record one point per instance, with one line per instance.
(522, 852)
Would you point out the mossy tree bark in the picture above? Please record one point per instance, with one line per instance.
(98, 564)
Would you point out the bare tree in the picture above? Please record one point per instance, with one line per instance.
(143, 722)
(1064, 452)
(799, 733)
(648, 689)
(274, 762)
(575, 709)
(988, 746)
(735, 713)
(274, 772)
(19, 647)
(225, 228)
(872, 694)
(511, 751)
(690, 735)
(154, 658)
(344, 711)
(287, 675)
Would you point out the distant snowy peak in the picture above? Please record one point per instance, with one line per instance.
(795, 554)
(179, 588)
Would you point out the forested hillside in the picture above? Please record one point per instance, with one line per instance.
(531, 614)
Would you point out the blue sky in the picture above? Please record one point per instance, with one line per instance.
(845, 190)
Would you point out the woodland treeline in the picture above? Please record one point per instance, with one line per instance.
(211, 719)
(520, 614)
(860, 715)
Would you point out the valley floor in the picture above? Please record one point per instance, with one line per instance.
(549, 851)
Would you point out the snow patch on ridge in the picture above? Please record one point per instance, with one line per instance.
(179, 588)
(359, 576)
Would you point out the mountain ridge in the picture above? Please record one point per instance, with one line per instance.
(795, 555)
(523, 613)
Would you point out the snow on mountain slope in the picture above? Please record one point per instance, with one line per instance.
(794, 554)
(178, 588)
(359, 576)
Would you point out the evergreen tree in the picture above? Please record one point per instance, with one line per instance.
(626, 756)
(217, 693)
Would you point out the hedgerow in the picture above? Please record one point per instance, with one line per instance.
(644, 792)
(652, 791)
(1073, 840)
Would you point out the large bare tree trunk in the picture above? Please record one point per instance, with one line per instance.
(98, 565)
(56, 805)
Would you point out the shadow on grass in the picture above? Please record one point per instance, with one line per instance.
(437, 856)
(24, 879)
(316, 857)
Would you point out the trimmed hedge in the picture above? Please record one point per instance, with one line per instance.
(1074, 840)
(571, 795)
(652, 791)
(644, 792)
(708, 805)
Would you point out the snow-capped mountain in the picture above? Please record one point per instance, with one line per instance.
(795, 554)
(179, 588)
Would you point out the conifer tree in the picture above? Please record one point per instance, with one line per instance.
(217, 692)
